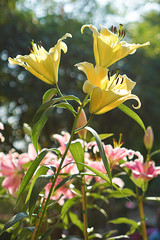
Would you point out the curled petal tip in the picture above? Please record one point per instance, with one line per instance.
(139, 102)
(69, 35)
(83, 27)
(65, 36)
(90, 26)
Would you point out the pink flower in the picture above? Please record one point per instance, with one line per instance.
(64, 191)
(114, 155)
(132, 154)
(145, 171)
(11, 166)
(63, 140)
(50, 157)
(100, 167)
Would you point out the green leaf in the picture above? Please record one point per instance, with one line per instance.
(37, 127)
(67, 106)
(68, 178)
(98, 196)
(100, 209)
(67, 205)
(49, 94)
(125, 220)
(71, 97)
(16, 218)
(41, 171)
(49, 104)
(39, 184)
(102, 136)
(75, 220)
(132, 114)
(125, 192)
(98, 173)
(101, 151)
(77, 152)
(42, 109)
(26, 232)
(30, 173)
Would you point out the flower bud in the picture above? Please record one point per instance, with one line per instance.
(149, 138)
(82, 120)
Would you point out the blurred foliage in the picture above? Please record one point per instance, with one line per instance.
(21, 92)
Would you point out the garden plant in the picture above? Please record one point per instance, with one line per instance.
(56, 188)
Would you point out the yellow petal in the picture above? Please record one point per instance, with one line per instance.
(133, 47)
(87, 87)
(111, 100)
(95, 75)
(95, 100)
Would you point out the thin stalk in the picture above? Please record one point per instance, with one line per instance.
(60, 165)
(155, 152)
(38, 219)
(84, 210)
(141, 213)
(58, 90)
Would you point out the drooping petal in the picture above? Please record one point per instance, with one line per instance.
(41, 63)
(108, 47)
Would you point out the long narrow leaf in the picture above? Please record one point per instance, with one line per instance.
(42, 109)
(31, 171)
(65, 180)
(38, 126)
(50, 103)
(77, 152)
(18, 217)
(39, 184)
(102, 136)
(67, 205)
(75, 220)
(67, 106)
(101, 151)
(41, 171)
(49, 94)
(132, 114)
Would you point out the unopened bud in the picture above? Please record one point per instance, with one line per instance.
(149, 138)
(82, 120)
(27, 129)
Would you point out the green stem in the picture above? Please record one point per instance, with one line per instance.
(60, 165)
(84, 210)
(154, 153)
(58, 90)
(141, 213)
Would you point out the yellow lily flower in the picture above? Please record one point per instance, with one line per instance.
(106, 91)
(41, 63)
(108, 47)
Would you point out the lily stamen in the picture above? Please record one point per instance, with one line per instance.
(109, 75)
(122, 80)
(115, 30)
(117, 81)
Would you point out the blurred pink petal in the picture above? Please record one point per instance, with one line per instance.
(145, 171)
(114, 155)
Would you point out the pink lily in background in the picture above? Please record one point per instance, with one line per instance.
(114, 155)
(11, 166)
(145, 171)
